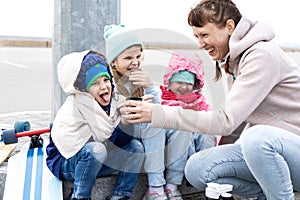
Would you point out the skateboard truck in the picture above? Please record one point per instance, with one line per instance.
(36, 141)
(11, 136)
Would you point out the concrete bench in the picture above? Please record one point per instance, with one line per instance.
(104, 186)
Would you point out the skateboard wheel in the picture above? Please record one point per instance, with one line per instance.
(22, 126)
(9, 136)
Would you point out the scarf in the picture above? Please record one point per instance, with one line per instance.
(193, 100)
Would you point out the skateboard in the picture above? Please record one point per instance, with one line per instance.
(7, 149)
(28, 177)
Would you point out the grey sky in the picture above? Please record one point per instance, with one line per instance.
(35, 17)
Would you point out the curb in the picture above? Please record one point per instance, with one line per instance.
(23, 113)
(14, 41)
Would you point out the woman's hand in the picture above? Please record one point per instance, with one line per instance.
(140, 78)
(136, 111)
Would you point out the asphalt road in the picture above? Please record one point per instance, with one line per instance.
(25, 79)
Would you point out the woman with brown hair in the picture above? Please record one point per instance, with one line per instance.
(265, 94)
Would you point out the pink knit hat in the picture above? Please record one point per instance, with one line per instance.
(185, 61)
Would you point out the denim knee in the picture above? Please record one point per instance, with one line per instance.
(136, 146)
(88, 159)
(97, 150)
(195, 170)
(255, 136)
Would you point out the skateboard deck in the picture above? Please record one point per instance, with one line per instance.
(28, 177)
(5, 151)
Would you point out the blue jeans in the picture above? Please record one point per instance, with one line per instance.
(153, 140)
(165, 151)
(272, 155)
(96, 160)
(128, 161)
(177, 146)
(201, 142)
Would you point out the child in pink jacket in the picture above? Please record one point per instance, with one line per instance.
(182, 86)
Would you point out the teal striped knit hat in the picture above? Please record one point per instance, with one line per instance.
(183, 76)
(118, 38)
(95, 72)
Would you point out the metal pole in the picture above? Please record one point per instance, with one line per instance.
(78, 25)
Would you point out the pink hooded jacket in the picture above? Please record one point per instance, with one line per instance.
(194, 100)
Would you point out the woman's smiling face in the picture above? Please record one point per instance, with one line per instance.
(214, 40)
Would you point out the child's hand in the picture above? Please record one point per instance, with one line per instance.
(140, 78)
(148, 98)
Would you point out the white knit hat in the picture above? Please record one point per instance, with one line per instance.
(118, 38)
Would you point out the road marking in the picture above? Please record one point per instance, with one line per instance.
(14, 64)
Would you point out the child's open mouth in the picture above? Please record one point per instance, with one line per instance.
(105, 96)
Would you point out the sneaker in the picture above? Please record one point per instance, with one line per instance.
(155, 196)
(174, 195)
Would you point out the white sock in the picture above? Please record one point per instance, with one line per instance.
(158, 190)
(170, 187)
(116, 197)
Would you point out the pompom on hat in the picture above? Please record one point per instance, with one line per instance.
(118, 38)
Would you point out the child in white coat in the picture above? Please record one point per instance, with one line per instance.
(86, 142)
